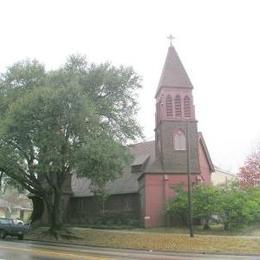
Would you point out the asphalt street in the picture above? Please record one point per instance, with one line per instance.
(25, 250)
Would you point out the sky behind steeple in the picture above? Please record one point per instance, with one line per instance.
(217, 42)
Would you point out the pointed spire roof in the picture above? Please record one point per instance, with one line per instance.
(173, 73)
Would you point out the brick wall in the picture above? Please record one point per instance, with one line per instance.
(158, 190)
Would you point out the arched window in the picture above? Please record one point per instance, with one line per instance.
(179, 141)
(187, 110)
(169, 106)
(177, 102)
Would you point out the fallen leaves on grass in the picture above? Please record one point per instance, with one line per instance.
(165, 242)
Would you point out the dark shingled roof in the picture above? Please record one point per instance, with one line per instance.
(204, 147)
(128, 181)
(173, 73)
(140, 160)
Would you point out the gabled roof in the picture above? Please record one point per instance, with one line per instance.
(127, 182)
(173, 73)
(205, 149)
(140, 160)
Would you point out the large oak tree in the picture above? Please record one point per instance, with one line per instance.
(74, 120)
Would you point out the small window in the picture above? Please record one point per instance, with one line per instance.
(169, 106)
(177, 102)
(187, 110)
(179, 141)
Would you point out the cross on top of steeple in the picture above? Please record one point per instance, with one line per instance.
(173, 73)
(171, 38)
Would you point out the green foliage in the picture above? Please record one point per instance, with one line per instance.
(111, 219)
(178, 206)
(238, 207)
(205, 202)
(254, 193)
(231, 205)
(108, 218)
(23, 75)
(72, 120)
(7, 183)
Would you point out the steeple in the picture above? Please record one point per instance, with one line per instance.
(174, 110)
(173, 73)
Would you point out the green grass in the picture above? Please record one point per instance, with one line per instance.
(253, 230)
(171, 239)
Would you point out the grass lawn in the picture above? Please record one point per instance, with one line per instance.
(162, 239)
(253, 230)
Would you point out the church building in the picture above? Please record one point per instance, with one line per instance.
(145, 186)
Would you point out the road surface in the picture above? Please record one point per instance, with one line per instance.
(25, 250)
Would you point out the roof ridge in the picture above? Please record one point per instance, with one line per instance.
(151, 141)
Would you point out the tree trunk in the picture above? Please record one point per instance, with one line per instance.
(55, 212)
(103, 207)
(206, 225)
(38, 209)
(226, 226)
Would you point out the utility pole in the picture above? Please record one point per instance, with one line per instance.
(189, 178)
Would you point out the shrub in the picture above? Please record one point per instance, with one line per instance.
(232, 205)
(238, 206)
(178, 206)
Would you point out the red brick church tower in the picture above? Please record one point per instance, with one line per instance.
(174, 113)
(175, 134)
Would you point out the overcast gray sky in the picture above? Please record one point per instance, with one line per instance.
(218, 42)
